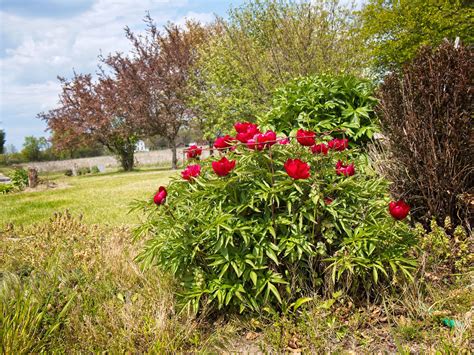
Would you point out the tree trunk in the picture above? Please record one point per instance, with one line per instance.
(124, 151)
(174, 158)
(32, 177)
(127, 159)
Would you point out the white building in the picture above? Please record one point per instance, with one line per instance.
(140, 147)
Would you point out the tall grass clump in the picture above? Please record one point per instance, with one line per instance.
(70, 287)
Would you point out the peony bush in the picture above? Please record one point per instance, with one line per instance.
(272, 220)
(322, 103)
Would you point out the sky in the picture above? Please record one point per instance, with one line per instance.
(41, 39)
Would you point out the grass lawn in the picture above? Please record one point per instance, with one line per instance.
(103, 198)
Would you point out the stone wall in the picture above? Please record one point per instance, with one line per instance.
(156, 157)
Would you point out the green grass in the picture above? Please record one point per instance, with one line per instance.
(103, 198)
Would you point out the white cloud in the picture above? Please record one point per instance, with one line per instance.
(203, 17)
(41, 48)
(42, 95)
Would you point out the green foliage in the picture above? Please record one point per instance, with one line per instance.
(6, 188)
(263, 44)
(90, 150)
(11, 159)
(446, 247)
(221, 96)
(83, 171)
(95, 170)
(324, 103)
(33, 148)
(28, 322)
(257, 239)
(19, 178)
(395, 30)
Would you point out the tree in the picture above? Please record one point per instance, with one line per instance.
(80, 149)
(261, 46)
(159, 72)
(394, 30)
(33, 147)
(2, 141)
(11, 149)
(100, 111)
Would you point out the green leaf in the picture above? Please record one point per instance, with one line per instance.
(253, 277)
(271, 254)
(274, 290)
(300, 301)
(272, 231)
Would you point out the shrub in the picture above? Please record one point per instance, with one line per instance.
(83, 171)
(11, 159)
(68, 172)
(256, 238)
(439, 251)
(95, 170)
(324, 103)
(6, 188)
(19, 178)
(426, 115)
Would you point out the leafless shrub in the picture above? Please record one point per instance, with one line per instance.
(426, 115)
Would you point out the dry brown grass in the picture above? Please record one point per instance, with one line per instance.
(115, 306)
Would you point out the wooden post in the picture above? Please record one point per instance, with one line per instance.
(32, 177)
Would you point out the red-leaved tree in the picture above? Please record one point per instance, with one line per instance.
(158, 71)
(97, 111)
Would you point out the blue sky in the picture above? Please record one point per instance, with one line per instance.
(41, 39)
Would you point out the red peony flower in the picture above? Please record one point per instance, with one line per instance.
(246, 131)
(399, 209)
(259, 140)
(251, 144)
(160, 196)
(320, 149)
(305, 138)
(264, 140)
(297, 169)
(242, 127)
(270, 138)
(338, 144)
(243, 137)
(193, 151)
(191, 171)
(284, 141)
(223, 142)
(223, 166)
(346, 170)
